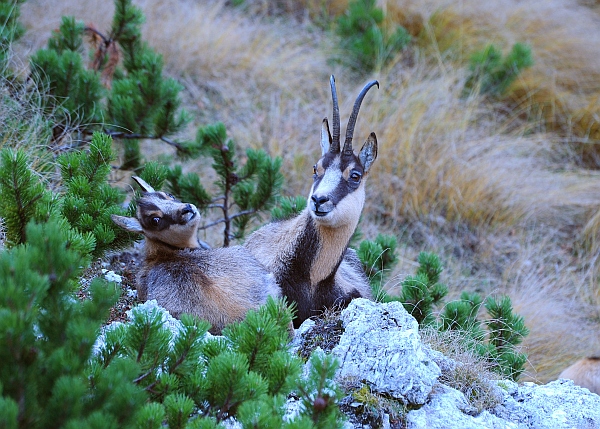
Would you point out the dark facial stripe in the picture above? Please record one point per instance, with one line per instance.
(148, 212)
(147, 206)
(347, 184)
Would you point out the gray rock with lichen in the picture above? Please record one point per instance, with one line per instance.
(381, 345)
(556, 405)
(559, 404)
(448, 408)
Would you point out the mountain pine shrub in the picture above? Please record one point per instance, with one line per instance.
(378, 258)
(367, 43)
(495, 339)
(243, 191)
(48, 334)
(85, 200)
(143, 374)
(492, 73)
(506, 331)
(22, 195)
(195, 379)
(422, 292)
(121, 91)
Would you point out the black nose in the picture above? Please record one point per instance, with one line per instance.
(187, 209)
(319, 200)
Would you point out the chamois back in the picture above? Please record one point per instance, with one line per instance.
(585, 373)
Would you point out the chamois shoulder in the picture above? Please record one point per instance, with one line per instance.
(275, 243)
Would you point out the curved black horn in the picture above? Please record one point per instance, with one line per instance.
(335, 143)
(354, 115)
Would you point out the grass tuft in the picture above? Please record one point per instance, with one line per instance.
(471, 375)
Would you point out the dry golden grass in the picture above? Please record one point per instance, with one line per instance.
(22, 121)
(561, 88)
(499, 198)
(545, 288)
(471, 374)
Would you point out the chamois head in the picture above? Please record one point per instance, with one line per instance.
(162, 218)
(337, 194)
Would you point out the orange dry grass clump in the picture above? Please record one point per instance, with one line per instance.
(508, 201)
(563, 86)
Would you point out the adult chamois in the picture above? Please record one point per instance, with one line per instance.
(218, 285)
(585, 373)
(309, 253)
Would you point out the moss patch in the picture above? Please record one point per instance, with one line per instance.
(325, 333)
(366, 407)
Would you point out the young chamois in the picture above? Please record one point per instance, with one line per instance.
(585, 373)
(309, 254)
(218, 285)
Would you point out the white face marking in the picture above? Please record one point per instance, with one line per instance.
(330, 180)
(334, 213)
(346, 213)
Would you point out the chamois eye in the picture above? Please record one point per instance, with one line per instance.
(355, 176)
(155, 221)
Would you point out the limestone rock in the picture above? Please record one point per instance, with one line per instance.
(381, 346)
(448, 408)
(559, 404)
(556, 405)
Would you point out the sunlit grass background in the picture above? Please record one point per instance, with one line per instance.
(506, 192)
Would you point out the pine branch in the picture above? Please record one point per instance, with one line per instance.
(230, 180)
(137, 136)
(142, 377)
(20, 191)
(105, 40)
(231, 217)
(215, 206)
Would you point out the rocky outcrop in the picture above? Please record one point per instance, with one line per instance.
(381, 347)
(557, 405)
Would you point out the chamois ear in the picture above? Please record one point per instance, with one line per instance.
(325, 137)
(368, 153)
(145, 186)
(130, 224)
